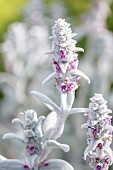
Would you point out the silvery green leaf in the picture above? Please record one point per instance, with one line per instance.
(2, 158)
(92, 146)
(67, 100)
(63, 66)
(13, 136)
(29, 133)
(28, 121)
(54, 144)
(48, 133)
(85, 125)
(70, 100)
(50, 52)
(79, 49)
(63, 45)
(78, 110)
(18, 122)
(87, 150)
(39, 125)
(64, 107)
(73, 35)
(50, 121)
(56, 164)
(106, 111)
(40, 119)
(30, 160)
(94, 122)
(50, 77)
(47, 101)
(109, 153)
(12, 164)
(80, 73)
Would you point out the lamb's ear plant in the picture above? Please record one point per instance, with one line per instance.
(40, 134)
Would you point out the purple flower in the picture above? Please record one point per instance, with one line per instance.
(74, 64)
(70, 87)
(55, 62)
(57, 67)
(63, 57)
(94, 132)
(98, 167)
(100, 146)
(25, 166)
(107, 160)
(108, 120)
(63, 87)
(31, 149)
(44, 163)
(61, 51)
(58, 70)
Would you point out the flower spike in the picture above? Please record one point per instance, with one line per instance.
(65, 58)
(98, 153)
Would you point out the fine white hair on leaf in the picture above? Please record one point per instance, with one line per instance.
(78, 110)
(70, 100)
(56, 164)
(30, 160)
(47, 101)
(18, 122)
(50, 121)
(13, 136)
(63, 67)
(54, 144)
(79, 49)
(12, 164)
(80, 73)
(50, 77)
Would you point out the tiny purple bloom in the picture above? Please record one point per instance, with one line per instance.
(55, 62)
(100, 146)
(63, 87)
(94, 132)
(107, 160)
(31, 149)
(61, 51)
(108, 121)
(73, 64)
(25, 166)
(70, 87)
(63, 57)
(99, 167)
(58, 69)
(44, 163)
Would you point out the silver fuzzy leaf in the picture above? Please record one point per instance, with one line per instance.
(56, 164)
(47, 101)
(12, 164)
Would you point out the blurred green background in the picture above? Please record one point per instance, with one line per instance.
(11, 11)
